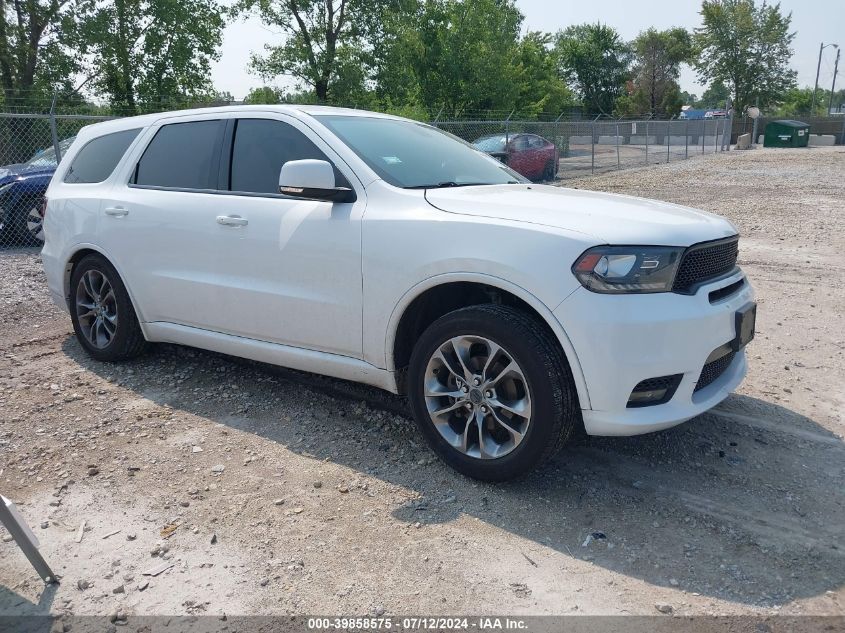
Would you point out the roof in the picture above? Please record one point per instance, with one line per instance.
(144, 120)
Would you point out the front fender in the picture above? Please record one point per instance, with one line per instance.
(502, 284)
(23, 190)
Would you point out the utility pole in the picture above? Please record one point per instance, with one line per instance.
(756, 120)
(833, 84)
(818, 69)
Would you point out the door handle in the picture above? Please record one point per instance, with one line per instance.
(232, 220)
(116, 212)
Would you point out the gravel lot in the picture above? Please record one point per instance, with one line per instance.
(275, 492)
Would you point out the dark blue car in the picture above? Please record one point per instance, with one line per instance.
(22, 188)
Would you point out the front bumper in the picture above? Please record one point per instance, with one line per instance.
(621, 340)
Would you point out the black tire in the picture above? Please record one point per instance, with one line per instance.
(555, 412)
(128, 339)
(549, 172)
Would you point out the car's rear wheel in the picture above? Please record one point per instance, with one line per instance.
(491, 391)
(103, 317)
(549, 171)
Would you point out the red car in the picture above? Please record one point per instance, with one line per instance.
(528, 154)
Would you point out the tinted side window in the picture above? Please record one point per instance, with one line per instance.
(182, 155)
(261, 147)
(521, 142)
(96, 161)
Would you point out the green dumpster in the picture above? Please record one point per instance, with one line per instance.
(787, 134)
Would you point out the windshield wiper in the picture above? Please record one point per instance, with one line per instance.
(452, 183)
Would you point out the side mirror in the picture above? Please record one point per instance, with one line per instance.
(312, 179)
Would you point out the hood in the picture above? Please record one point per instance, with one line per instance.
(610, 218)
(8, 173)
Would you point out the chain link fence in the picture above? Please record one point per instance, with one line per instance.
(31, 144)
(588, 147)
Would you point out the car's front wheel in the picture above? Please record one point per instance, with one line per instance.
(22, 224)
(32, 223)
(491, 391)
(103, 317)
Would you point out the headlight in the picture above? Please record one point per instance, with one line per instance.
(628, 269)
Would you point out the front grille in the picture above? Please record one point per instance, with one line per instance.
(712, 370)
(727, 291)
(705, 261)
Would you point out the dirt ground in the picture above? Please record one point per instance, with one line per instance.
(274, 492)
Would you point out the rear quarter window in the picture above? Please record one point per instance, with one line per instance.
(96, 161)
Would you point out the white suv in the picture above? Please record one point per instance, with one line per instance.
(382, 250)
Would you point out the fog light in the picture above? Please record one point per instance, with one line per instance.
(639, 398)
(654, 391)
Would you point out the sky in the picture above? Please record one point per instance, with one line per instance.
(815, 21)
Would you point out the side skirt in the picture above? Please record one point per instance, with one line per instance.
(323, 363)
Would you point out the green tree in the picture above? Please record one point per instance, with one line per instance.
(221, 97)
(596, 61)
(747, 47)
(326, 42)
(393, 67)
(671, 101)
(539, 87)
(637, 103)
(657, 67)
(838, 99)
(153, 54)
(36, 57)
(715, 95)
(265, 95)
(458, 55)
(36, 63)
(799, 102)
(689, 98)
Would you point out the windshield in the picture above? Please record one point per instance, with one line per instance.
(491, 143)
(415, 156)
(47, 157)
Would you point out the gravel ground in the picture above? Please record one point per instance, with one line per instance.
(274, 492)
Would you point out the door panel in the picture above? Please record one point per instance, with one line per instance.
(262, 266)
(164, 245)
(518, 153)
(292, 275)
(161, 239)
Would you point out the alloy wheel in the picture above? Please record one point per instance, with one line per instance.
(35, 224)
(96, 308)
(477, 397)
